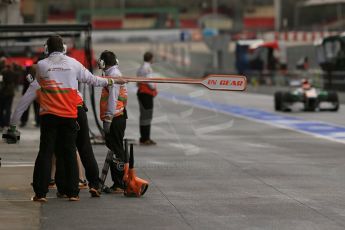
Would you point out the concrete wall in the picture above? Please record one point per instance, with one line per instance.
(10, 13)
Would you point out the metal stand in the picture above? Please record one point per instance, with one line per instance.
(111, 157)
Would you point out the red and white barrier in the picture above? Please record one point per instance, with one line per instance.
(296, 36)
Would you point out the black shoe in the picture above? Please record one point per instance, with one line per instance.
(112, 190)
(61, 195)
(82, 184)
(148, 142)
(74, 198)
(94, 192)
(152, 142)
(39, 199)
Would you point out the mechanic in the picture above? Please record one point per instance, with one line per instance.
(146, 92)
(83, 141)
(113, 114)
(58, 76)
(7, 89)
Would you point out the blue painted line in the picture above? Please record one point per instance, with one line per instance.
(324, 130)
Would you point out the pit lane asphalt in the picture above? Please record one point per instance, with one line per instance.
(210, 170)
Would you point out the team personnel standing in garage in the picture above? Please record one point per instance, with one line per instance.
(146, 93)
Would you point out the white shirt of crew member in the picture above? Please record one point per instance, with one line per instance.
(114, 91)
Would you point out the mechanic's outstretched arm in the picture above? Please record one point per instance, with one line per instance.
(12, 135)
(24, 102)
(87, 77)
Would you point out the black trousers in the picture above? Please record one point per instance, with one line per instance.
(58, 135)
(86, 154)
(5, 110)
(146, 112)
(114, 141)
(84, 147)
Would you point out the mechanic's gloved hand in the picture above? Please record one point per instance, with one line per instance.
(111, 81)
(125, 172)
(85, 107)
(106, 126)
(30, 78)
(120, 81)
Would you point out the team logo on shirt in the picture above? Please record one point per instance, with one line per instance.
(58, 69)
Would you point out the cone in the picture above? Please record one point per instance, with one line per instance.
(135, 186)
